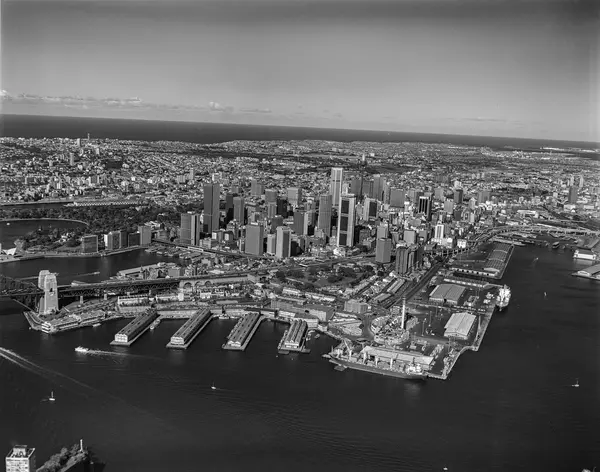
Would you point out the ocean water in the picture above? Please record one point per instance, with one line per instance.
(508, 407)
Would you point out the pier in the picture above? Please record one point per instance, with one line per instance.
(294, 338)
(130, 333)
(190, 329)
(242, 332)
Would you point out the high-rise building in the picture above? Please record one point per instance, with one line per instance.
(145, 235)
(439, 231)
(449, 206)
(345, 230)
(405, 258)
(378, 182)
(112, 240)
(458, 196)
(190, 229)
(425, 204)
(572, 194)
(271, 210)
(383, 231)
(123, 242)
(397, 197)
(383, 251)
(212, 218)
(355, 185)
(271, 196)
(294, 195)
(335, 185)
(483, 196)
(300, 223)
(133, 239)
(581, 181)
(239, 210)
(271, 244)
(21, 459)
(229, 206)
(325, 205)
(370, 209)
(256, 188)
(89, 243)
(284, 243)
(255, 235)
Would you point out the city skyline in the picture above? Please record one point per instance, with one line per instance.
(527, 70)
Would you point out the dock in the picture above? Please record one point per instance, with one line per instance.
(294, 338)
(242, 332)
(190, 329)
(130, 333)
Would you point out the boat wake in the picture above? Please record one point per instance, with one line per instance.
(100, 352)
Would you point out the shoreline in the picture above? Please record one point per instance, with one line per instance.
(56, 255)
(3, 220)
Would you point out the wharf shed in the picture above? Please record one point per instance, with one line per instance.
(448, 293)
(459, 325)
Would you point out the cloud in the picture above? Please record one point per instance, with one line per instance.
(255, 110)
(4, 93)
(214, 106)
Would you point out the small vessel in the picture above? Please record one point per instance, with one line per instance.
(51, 397)
(82, 349)
(95, 325)
(212, 387)
(503, 297)
(576, 384)
(7, 224)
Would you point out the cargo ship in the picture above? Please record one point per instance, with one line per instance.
(503, 297)
(403, 370)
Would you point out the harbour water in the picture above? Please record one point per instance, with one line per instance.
(509, 406)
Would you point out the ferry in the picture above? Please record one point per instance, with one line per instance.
(95, 325)
(503, 297)
(82, 349)
(51, 397)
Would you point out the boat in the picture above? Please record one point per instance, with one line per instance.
(409, 371)
(82, 349)
(503, 297)
(576, 384)
(95, 325)
(212, 387)
(51, 397)
(555, 245)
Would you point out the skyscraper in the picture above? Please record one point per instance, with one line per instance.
(300, 222)
(21, 459)
(397, 197)
(284, 243)
(345, 231)
(383, 251)
(271, 244)
(256, 188)
(324, 222)
(211, 207)
(425, 207)
(335, 185)
(255, 239)
(271, 196)
(458, 196)
(572, 194)
(239, 210)
(370, 209)
(145, 235)
(294, 195)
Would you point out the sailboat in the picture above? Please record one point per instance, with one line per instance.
(212, 387)
(576, 384)
(51, 397)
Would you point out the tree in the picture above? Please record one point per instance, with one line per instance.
(280, 275)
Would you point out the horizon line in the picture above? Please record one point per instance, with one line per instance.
(316, 128)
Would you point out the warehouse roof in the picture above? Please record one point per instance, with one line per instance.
(450, 292)
(459, 324)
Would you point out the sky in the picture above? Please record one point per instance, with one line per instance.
(522, 68)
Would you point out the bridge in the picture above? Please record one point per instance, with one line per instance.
(26, 293)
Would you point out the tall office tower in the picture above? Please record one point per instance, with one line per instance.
(239, 210)
(191, 175)
(112, 240)
(271, 196)
(449, 206)
(335, 185)
(49, 302)
(300, 223)
(414, 195)
(255, 235)
(145, 235)
(397, 197)
(404, 259)
(458, 196)
(229, 206)
(439, 193)
(425, 207)
(211, 207)
(439, 231)
(571, 181)
(294, 195)
(572, 194)
(386, 192)
(21, 459)
(271, 210)
(378, 187)
(355, 186)
(345, 231)
(271, 244)
(282, 207)
(383, 231)
(383, 251)
(410, 236)
(483, 196)
(133, 239)
(581, 181)
(89, 243)
(370, 209)
(123, 243)
(276, 222)
(284, 243)
(325, 205)
(256, 188)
